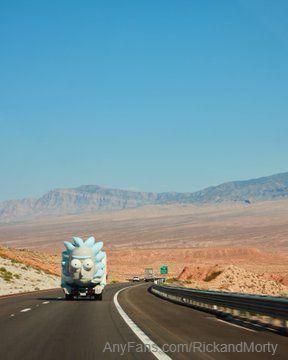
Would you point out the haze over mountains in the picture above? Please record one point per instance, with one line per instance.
(93, 198)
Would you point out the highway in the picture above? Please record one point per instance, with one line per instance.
(42, 325)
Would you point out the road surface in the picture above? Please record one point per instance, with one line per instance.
(44, 326)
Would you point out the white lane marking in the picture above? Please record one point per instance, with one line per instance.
(238, 326)
(157, 352)
(12, 315)
(59, 297)
(45, 302)
(25, 310)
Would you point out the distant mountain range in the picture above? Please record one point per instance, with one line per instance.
(93, 198)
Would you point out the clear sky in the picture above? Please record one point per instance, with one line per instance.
(153, 95)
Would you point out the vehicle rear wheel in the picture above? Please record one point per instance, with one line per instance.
(69, 297)
(98, 297)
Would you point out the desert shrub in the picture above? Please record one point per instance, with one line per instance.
(24, 268)
(170, 280)
(5, 274)
(212, 276)
(114, 281)
(14, 261)
(224, 287)
(17, 276)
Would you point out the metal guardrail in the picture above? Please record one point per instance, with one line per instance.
(268, 310)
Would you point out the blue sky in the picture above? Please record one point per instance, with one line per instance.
(153, 95)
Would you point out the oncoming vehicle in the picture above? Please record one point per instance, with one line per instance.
(136, 279)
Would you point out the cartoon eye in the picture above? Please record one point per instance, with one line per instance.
(76, 264)
(88, 264)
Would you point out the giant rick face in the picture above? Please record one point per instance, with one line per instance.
(84, 260)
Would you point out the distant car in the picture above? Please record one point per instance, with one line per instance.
(136, 279)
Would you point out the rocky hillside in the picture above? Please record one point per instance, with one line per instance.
(93, 198)
(18, 277)
(89, 198)
(232, 278)
(45, 262)
(266, 188)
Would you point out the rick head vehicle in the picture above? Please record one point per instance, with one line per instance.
(83, 269)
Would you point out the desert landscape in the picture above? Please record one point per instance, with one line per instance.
(230, 237)
(231, 247)
(262, 224)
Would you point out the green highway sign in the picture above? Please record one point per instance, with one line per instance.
(164, 270)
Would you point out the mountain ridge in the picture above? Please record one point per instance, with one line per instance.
(93, 198)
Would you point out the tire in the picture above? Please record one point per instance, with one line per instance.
(69, 297)
(98, 297)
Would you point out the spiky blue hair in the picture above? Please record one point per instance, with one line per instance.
(89, 243)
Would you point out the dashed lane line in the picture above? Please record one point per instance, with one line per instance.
(28, 309)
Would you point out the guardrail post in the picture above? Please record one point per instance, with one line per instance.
(284, 323)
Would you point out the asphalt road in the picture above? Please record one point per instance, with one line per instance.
(44, 326)
(58, 329)
(169, 323)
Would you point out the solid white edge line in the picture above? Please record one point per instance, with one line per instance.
(235, 325)
(24, 310)
(157, 352)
